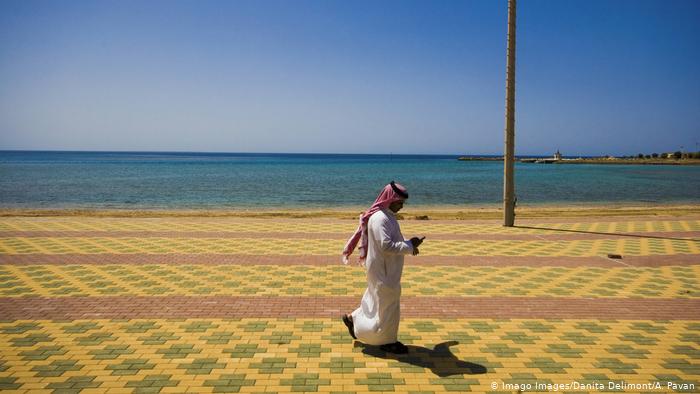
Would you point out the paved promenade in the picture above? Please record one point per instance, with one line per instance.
(151, 305)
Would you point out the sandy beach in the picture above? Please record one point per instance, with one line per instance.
(409, 213)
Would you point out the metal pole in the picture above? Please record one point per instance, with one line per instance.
(509, 153)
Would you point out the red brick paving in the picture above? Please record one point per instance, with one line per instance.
(133, 307)
(560, 235)
(463, 261)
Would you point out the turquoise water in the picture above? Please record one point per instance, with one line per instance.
(214, 180)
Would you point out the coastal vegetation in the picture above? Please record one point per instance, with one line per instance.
(677, 155)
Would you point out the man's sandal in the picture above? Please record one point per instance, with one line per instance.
(349, 324)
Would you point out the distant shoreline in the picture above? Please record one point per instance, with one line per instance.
(601, 160)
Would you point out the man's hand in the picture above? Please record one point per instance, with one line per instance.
(415, 241)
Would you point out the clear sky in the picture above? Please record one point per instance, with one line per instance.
(593, 77)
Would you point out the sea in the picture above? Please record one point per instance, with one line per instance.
(177, 180)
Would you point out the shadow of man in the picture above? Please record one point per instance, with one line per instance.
(440, 360)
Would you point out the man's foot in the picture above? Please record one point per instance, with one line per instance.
(396, 348)
(349, 324)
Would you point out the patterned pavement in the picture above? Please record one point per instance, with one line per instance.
(252, 305)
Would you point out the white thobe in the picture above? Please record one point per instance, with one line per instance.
(376, 321)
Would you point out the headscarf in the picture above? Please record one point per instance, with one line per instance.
(391, 193)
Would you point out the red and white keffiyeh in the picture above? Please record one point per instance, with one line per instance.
(391, 193)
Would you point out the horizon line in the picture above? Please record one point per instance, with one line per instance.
(299, 153)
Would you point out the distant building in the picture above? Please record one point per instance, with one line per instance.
(557, 156)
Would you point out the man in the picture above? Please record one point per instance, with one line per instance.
(376, 321)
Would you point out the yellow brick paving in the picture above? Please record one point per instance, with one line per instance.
(271, 280)
(285, 355)
(323, 247)
(317, 355)
(322, 226)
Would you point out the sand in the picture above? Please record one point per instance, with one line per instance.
(409, 213)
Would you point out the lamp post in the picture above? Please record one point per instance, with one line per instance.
(509, 153)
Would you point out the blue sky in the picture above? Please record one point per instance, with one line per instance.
(593, 77)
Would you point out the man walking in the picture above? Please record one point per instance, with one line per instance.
(376, 321)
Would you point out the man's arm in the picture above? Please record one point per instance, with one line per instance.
(382, 232)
